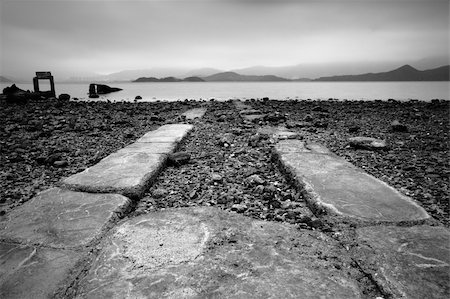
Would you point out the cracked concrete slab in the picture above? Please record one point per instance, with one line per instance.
(123, 172)
(131, 169)
(32, 271)
(409, 262)
(207, 252)
(148, 148)
(194, 113)
(171, 132)
(341, 188)
(61, 218)
(299, 146)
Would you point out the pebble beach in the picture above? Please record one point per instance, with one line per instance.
(230, 163)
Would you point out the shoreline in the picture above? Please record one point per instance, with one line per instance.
(45, 141)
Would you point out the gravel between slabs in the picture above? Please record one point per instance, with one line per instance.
(231, 168)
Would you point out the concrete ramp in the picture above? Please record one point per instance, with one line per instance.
(209, 253)
(341, 188)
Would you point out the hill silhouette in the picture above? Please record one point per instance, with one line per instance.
(404, 73)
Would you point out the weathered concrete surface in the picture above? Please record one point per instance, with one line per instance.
(32, 271)
(131, 169)
(278, 132)
(123, 172)
(341, 188)
(209, 253)
(172, 133)
(299, 146)
(61, 218)
(194, 113)
(409, 262)
(148, 148)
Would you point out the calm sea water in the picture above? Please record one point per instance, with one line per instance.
(424, 91)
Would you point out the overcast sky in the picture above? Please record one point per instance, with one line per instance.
(81, 37)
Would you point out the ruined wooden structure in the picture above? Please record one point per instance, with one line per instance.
(44, 76)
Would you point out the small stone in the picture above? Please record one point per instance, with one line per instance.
(308, 118)
(396, 126)
(138, 98)
(354, 129)
(64, 97)
(240, 208)
(259, 189)
(367, 143)
(180, 158)
(216, 177)
(255, 180)
(60, 163)
(159, 193)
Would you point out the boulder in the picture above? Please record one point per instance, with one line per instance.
(64, 97)
(396, 126)
(15, 95)
(367, 143)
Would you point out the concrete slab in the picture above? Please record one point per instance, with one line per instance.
(409, 262)
(61, 218)
(148, 148)
(175, 131)
(341, 188)
(127, 173)
(299, 146)
(209, 253)
(278, 132)
(32, 271)
(194, 113)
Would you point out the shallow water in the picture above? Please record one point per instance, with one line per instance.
(424, 91)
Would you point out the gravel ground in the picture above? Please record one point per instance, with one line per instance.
(230, 165)
(231, 168)
(42, 142)
(416, 161)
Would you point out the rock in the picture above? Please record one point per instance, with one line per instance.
(12, 89)
(367, 143)
(60, 163)
(159, 193)
(319, 109)
(250, 112)
(308, 118)
(216, 177)
(321, 124)
(138, 98)
(64, 97)
(255, 179)
(240, 208)
(275, 117)
(396, 126)
(15, 94)
(51, 159)
(354, 129)
(177, 159)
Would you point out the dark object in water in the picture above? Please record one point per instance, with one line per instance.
(96, 89)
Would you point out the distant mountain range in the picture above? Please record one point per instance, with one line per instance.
(5, 80)
(404, 73)
(168, 79)
(301, 72)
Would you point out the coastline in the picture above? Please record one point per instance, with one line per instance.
(43, 142)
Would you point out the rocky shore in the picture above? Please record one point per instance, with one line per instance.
(230, 163)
